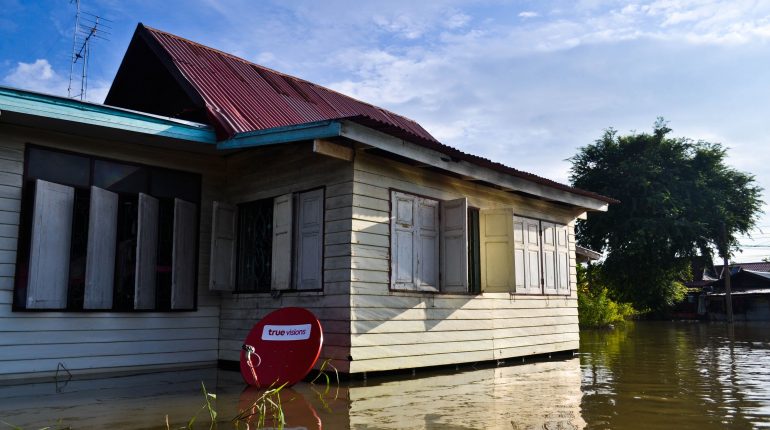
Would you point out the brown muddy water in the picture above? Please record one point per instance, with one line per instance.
(642, 376)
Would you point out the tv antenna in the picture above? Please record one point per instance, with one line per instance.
(88, 27)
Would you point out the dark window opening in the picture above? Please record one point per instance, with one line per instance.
(165, 253)
(78, 249)
(474, 252)
(125, 253)
(255, 246)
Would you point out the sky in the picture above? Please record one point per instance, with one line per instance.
(525, 83)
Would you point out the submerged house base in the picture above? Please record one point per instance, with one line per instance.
(133, 240)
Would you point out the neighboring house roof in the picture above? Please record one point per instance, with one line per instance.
(241, 98)
(743, 280)
(756, 267)
(585, 254)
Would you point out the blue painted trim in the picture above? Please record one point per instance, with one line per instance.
(292, 133)
(43, 105)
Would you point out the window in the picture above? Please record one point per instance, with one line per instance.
(541, 257)
(430, 244)
(269, 244)
(95, 236)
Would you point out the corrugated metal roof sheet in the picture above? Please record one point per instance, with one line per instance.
(241, 97)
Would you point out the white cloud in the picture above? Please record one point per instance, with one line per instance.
(528, 14)
(38, 76)
(41, 77)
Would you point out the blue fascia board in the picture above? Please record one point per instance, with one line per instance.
(291, 133)
(48, 106)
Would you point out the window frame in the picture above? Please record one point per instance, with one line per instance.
(473, 273)
(295, 195)
(541, 258)
(24, 238)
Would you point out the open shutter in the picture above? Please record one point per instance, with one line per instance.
(100, 257)
(532, 274)
(454, 246)
(146, 252)
(222, 260)
(402, 241)
(520, 253)
(428, 245)
(562, 260)
(549, 258)
(49, 260)
(282, 226)
(310, 218)
(497, 245)
(183, 255)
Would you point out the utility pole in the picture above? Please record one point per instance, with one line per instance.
(726, 275)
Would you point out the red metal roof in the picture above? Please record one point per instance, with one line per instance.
(241, 96)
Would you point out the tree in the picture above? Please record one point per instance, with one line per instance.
(675, 194)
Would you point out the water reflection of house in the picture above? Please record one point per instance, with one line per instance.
(543, 395)
(153, 231)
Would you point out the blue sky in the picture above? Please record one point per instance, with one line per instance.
(525, 83)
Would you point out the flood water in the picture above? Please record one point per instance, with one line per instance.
(642, 376)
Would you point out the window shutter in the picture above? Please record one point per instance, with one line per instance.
(532, 274)
(183, 256)
(100, 256)
(146, 252)
(454, 246)
(310, 218)
(549, 258)
(520, 253)
(49, 259)
(402, 241)
(428, 245)
(222, 259)
(497, 243)
(282, 241)
(562, 260)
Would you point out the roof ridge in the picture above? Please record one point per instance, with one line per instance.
(277, 72)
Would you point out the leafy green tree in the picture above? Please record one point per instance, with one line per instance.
(675, 196)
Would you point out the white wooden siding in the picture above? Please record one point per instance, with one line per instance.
(395, 329)
(36, 342)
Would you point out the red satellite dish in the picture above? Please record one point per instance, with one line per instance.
(281, 348)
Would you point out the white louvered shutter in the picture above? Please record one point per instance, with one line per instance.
(309, 262)
(49, 258)
(532, 268)
(222, 259)
(183, 255)
(146, 252)
(549, 257)
(427, 278)
(282, 242)
(520, 253)
(454, 246)
(562, 259)
(100, 255)
(402, 241)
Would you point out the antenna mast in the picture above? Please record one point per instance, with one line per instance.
(87, 29)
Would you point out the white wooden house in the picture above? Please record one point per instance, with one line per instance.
(155, 230)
